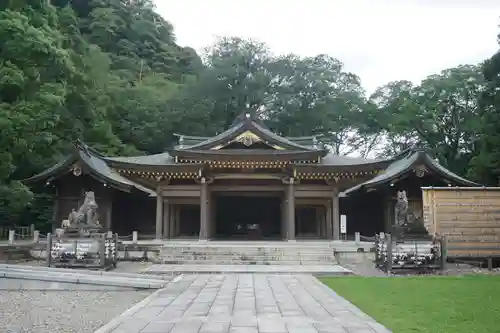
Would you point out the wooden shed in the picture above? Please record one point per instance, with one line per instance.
(468, 216)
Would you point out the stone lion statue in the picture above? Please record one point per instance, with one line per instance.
(400, 214)
(86, 215)
(401, 209)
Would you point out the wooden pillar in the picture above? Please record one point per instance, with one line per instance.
(283, 218)
(290, 207)
(329, 221)
(159, 215)
(178, 220)
(204, 210)
(167, 229)
(336, 216)
(55, 213)
(109, 215)
(298, 222)
(212, 214)
(389, 214)
(173, 227)
(317, 218)
(209, 215)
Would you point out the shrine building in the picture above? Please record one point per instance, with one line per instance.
(244, 183)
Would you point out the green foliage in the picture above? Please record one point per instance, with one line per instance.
(100, 71)
(109, 72)
(486, 162)
(442, 113)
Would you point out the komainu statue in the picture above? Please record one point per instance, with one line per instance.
(400, 214)
(401, 209)
(86, 216)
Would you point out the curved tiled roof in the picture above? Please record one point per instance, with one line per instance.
(243, 124)
(405, 162)
(97, 167)
(156, 159)
(332, 159)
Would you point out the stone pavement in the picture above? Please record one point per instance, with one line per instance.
(244, 303)
(161, 269)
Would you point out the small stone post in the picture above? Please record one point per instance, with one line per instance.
(135, 236)
(357, 238)
(12, 234)
(110, 234)
(48, 249)
(36, 236)
(102, 252)
(388, 240)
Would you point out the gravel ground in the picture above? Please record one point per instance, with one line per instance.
(66, 311)
(62, 311)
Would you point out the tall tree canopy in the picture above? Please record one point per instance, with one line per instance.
(110, 72)
(486, 163)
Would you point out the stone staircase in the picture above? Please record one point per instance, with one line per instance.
(248, 253)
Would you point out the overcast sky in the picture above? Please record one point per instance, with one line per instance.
(379, 40)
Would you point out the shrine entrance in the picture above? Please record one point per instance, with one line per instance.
(248, 216)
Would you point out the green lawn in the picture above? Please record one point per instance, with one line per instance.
(468, 304)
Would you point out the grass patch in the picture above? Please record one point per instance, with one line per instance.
(467, 304)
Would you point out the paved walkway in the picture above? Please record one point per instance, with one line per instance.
(271, 269)
(244, 303)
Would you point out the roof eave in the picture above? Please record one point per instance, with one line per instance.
(354, 167)
(52, 174)
(246, 155)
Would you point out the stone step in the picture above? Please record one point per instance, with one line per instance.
(249, 262)
(275, 253)
(328, 270)
(248, 253)
(250, 258)
(243, 251)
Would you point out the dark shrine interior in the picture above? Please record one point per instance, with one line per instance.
(248, 217)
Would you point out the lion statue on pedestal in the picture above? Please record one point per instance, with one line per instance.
(86, 216)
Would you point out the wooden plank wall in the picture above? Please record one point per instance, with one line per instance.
(469, 217)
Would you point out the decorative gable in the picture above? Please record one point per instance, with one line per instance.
(249, 140)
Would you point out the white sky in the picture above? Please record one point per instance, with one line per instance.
(379, 40)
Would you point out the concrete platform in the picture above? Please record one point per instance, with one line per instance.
(81, 277)
(244, 303)
(165, 269)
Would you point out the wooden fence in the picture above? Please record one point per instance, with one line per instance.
(468, 216)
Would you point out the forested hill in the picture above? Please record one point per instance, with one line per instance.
(109, 72)
(96, 70)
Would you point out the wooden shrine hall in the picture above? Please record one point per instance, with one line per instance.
(244, 183)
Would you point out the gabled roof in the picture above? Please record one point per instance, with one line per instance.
(252, 126)
(189, 140)
(405, 163)
(92, 162)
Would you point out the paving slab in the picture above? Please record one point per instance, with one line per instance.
(161, 269)
(243, 303)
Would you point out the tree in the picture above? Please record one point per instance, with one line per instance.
(284, 91)
(485, 166)
(34, 70)
(100, 70)
(442, 113)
